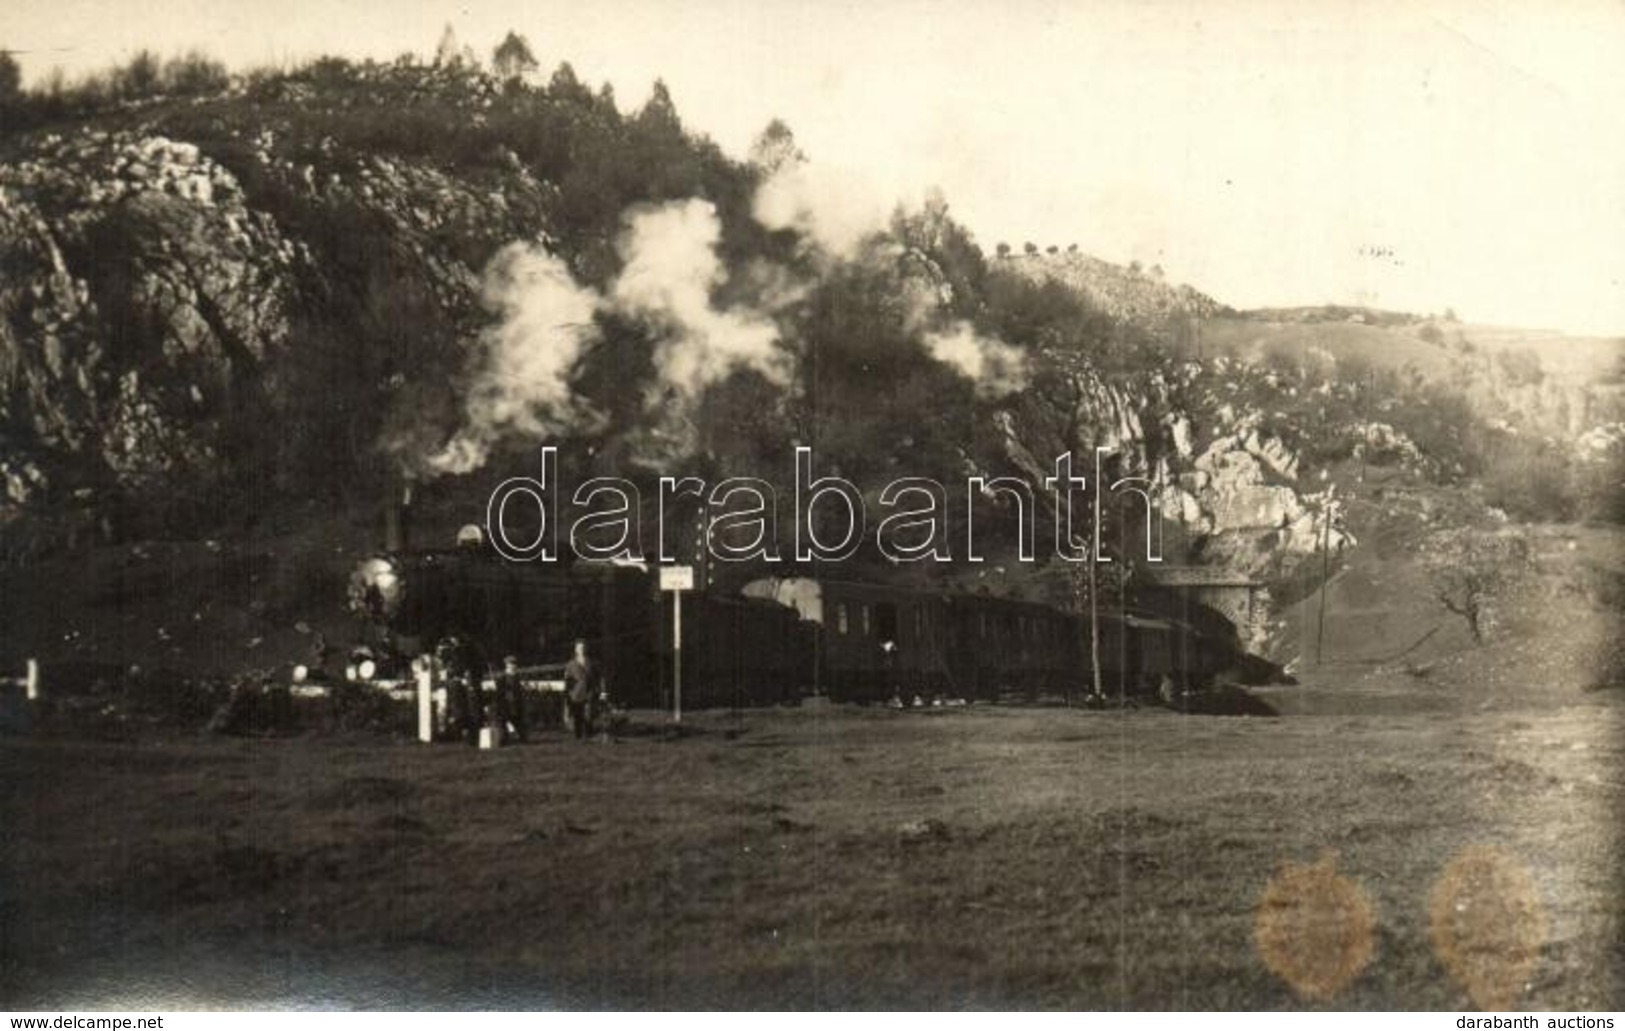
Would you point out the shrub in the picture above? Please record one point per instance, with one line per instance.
(193, 74)
(1521, 367)
(1529, 480)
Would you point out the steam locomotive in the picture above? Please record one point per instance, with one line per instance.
(777, 639)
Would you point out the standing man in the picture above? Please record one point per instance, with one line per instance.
(464, 667)
(510, 707)
(448, 660)
(583, 680)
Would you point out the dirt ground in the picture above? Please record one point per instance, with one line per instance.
(832, 857)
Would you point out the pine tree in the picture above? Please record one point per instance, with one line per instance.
(449, 52)
(513, 58)
(660, 110)
(775, 148)
(11, 79)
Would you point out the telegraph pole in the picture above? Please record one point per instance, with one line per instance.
(1094, 594)
(677, 657)
(1325, 581)
(1094, 630)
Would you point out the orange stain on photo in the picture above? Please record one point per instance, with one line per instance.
(1487, 925)
(1313, 928)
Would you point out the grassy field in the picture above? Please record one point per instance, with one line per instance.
(826, 857)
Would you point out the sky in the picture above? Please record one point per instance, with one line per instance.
(1464, 154)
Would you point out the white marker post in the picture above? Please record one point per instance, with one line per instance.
(677, 579)
(31, 680)
(425, 676)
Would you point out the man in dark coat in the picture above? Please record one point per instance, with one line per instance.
(583, 683)
(464, 668)
(511, 698)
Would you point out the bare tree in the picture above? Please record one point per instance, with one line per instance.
(1470, 566)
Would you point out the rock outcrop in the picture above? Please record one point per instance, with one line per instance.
(159, 293)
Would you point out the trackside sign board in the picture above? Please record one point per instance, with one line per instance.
(676, 578)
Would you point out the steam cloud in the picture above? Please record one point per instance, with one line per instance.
(523, 366)
(997, 368)
(671, 269)
(522, 369)
(834, 209)
(838, 213)
(523, 381)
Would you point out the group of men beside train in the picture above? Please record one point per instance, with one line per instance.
(584, 708)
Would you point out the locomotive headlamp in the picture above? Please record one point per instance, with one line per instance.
(375, 588)
(366, 668)
(301, 673)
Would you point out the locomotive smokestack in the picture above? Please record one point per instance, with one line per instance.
(398, 516)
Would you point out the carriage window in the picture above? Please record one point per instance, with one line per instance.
(865, 610)
(840, 617)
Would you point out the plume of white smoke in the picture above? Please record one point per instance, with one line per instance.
(774, 287)
(996, 368)
(842, 215)
(834, 208)
(921, 300)
(522, 379)
(671, 269)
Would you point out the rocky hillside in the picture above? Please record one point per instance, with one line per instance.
(1125, 292)
(181, 276)
(1546, 411)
